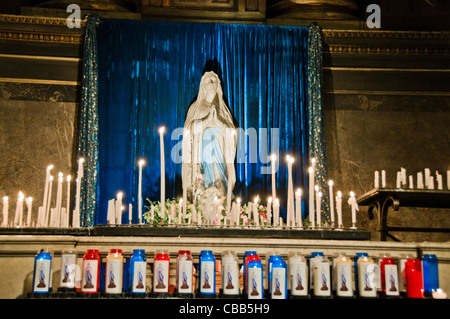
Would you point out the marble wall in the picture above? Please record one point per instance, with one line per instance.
(374, 132)
(37, 124)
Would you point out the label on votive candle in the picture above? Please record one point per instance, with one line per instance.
(367, 280)
(322, 283)
(42, 276)
(254, 284)
(278, 283)
(90, 273)
(161, 276)
(207, 281)
(139, 276)
(114, 274)
(185, 276)
(68, 270)
(344, 285)
(299, 278)
(230, 278)
(391, 280)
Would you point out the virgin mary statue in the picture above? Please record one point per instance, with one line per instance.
(209, 146)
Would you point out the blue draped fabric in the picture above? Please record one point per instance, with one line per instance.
(149, 74)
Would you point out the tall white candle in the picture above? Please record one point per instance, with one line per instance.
(171, 213)
(311, 197)
(41, 217)
(29, 202)
(354, 206)
(47, 213)
(273, 159)
(180, 212)
(290, 208)
(439, 180)
(403, 176)
(64, 217)
(5, 211)
(163, 170)
(426, 176)
(59, 200)
(185, 203)
(448, 180)
(276, 211)
(419, 180)
(377, 179)
(68, 179)
(140, 163)
(238, 215)
(331, 195)
(411, 182)
(130, 213)
(430, 182)
(111, 214)
(232, 217)
(318, 206)
(383, 178)
(339, 208)
(47, 183)
(399, 180)
(19, 210)
(255, 211)
(269, 210)
(298, 208)
(119, 198)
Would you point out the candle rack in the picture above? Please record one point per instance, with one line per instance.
(194, 231)
(382, 199)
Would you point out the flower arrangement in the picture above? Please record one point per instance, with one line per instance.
(246, 216)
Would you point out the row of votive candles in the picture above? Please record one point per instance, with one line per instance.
(424, 180)
(314, 276)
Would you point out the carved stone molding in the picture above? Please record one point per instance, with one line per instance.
(41, 36)
(48, 21)
(386, 42)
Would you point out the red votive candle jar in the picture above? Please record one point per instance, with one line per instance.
(91, 271)
(161, 272)
(414, 279)
(389, 277)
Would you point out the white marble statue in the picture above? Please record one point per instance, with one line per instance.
(209, 146)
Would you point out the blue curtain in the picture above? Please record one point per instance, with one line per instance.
(149, 74)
